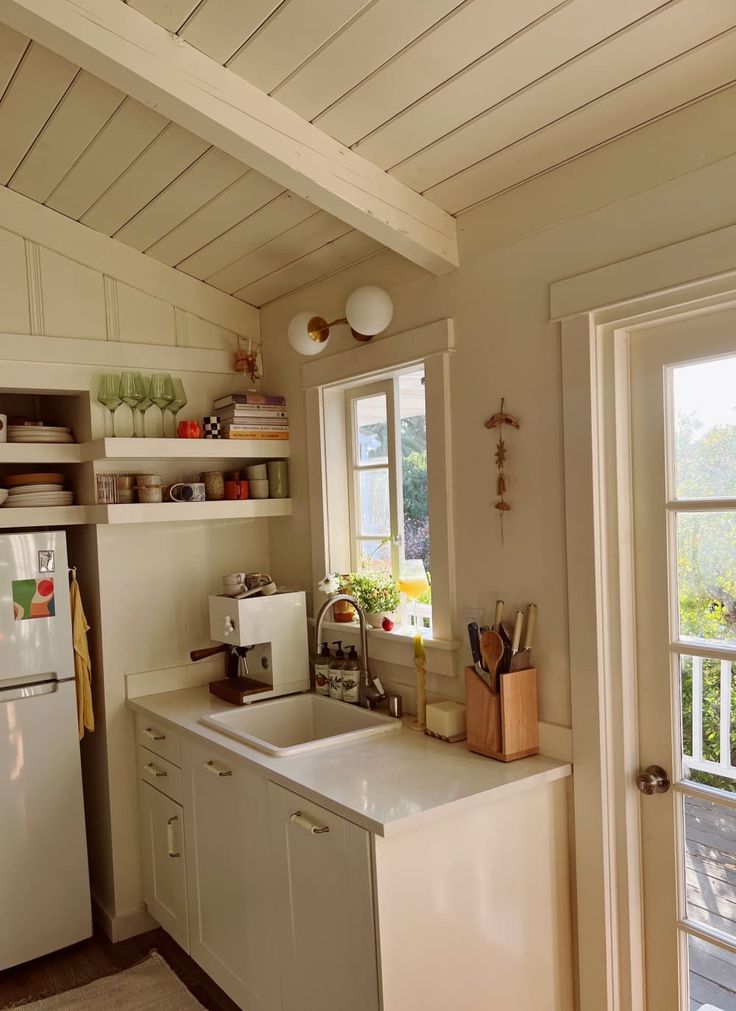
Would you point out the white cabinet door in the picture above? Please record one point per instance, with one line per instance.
(164, 867)
(323, 895)
(230, 905)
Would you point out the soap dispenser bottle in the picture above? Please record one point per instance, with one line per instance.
(351, 677)
(322, 670)
(337, 669)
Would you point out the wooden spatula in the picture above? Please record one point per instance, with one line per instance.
(491, 649)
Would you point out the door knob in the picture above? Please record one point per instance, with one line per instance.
(653, 780)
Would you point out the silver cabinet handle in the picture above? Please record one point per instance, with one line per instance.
(214, 770)
(309, 826)
(153, 770)
(154, 734)
(170, 836)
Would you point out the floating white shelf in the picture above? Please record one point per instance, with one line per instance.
(16, 452)
(172, 512)
(180, 449)
(46, 516)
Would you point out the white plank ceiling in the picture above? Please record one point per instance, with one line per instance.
(459, 100)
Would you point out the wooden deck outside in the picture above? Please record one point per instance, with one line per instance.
(710, 857)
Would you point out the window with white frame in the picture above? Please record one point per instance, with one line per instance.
(378, 431)
(386, 429)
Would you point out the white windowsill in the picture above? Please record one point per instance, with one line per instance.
(397, 647)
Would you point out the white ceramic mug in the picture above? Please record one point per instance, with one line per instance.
(259, 489)
(191, 491)
(3, 428)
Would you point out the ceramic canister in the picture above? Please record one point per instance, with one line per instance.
(214, 485)
(278, 479)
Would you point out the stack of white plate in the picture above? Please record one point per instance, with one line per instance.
(39, 433)
(34, 495)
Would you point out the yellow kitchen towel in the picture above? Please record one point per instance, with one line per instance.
(82, 662)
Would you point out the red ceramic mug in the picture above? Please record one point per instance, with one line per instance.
(189, 430)
(235, 490)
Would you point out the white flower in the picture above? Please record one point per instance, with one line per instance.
(330, 584)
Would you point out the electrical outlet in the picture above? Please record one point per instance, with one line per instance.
(471, 614)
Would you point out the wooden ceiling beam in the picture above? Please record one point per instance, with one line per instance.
(123, 47)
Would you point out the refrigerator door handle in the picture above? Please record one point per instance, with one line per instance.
(30, 690)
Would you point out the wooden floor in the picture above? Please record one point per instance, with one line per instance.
(96, 957)
(710, 858)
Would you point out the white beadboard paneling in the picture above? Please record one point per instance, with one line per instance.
(232, 205)
(208, 176)
(474, 29)
(12, 47)
(73, 298)
(14, 316)
(143, 318)
(128, 132)
(380, 31)
(707, 68)
(220, 27)
(601, 70)
(37, 87)
(203, 334)
(81, 114)
(304, 238)
(170, 14)
(257, 229)
(563, 35)
(173, 151)
(54, 231)
(289, 37)
(332, 257)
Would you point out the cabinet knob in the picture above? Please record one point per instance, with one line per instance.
(155, 735)
(216, 770)
(307, 824)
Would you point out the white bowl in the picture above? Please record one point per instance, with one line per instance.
(3, 495)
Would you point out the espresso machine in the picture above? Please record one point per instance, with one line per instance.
(265, 638)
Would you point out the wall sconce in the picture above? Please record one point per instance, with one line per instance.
(368, 311)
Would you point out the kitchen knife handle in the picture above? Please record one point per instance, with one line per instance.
(531, 624)
(498, 617)
(474, 636)
(516, 639)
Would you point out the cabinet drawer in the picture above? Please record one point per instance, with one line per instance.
(158, 738)
(159, 772)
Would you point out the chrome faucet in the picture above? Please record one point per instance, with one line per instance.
(370, 695)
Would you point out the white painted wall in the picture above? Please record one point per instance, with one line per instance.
(670, 181)
(145, 587)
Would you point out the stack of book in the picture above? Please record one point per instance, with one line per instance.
(252, 416)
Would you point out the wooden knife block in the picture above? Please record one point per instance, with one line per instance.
(504, 726)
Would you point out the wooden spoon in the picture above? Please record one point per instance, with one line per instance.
(491, 649)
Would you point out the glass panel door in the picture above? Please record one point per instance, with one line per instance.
(683, 415)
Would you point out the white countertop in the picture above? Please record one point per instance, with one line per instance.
(390, 783)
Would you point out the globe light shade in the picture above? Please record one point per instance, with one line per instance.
(308, 333)
(368, 310)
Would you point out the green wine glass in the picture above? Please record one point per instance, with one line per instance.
(161, 394)
(179, 401)
(108, 394)
(132, 392)
(143, 406)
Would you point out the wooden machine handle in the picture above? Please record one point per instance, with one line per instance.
(202, 654)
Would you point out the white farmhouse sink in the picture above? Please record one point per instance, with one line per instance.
(299, 723)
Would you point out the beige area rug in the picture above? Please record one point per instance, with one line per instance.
(149, 986)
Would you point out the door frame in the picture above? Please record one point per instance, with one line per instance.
(597, 312)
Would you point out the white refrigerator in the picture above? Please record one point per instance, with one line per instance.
(44, 880)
